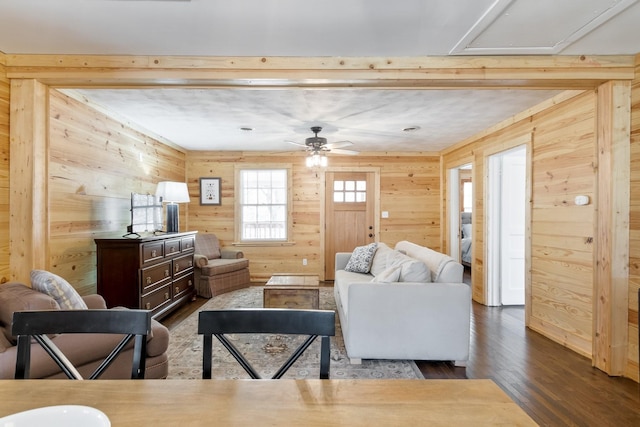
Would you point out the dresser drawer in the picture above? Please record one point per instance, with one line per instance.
(183, 286)
(182, 265)
(188, 244)
(156, 299)
(152, 251)
(172, 247)
(154, 277)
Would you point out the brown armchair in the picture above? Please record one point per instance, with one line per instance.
(218, 270)
(85, 351)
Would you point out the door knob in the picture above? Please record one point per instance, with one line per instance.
(370, 235)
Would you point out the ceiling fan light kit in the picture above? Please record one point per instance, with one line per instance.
(318, 148)
(315, 159)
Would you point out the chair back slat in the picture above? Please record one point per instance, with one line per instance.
(313, 323)
(133, 324)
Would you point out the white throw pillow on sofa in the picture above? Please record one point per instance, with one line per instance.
(396, 258)
(414, 271)
(391, 274)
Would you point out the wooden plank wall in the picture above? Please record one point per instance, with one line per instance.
(634, 230)
(409, 191)
(5, 86)
(95, 162)
(563, 159)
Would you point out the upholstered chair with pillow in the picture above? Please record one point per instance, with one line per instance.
(218, 270)
(51, 292)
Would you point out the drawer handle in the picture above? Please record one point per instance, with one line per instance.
(172, 249)
(154, 253)
(190, 263)
(177, 289)
(190, 283)
(166, 273)
(148, 280)
(177, 267)
(166, 296)
(148, 306)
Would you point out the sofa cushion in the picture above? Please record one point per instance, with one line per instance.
(379, 262)
(58, 289)
(361, 258)
(221, 266)
(18, 297)
(391, 274)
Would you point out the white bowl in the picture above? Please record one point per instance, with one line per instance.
(58, 416)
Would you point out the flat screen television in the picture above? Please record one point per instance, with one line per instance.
(146, 214)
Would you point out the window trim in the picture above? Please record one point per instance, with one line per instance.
(238, 207)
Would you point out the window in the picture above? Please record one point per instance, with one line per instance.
(263, 208)
(349, 191)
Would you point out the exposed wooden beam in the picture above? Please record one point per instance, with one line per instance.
(611, 281)
(28, 198)
(543, 72)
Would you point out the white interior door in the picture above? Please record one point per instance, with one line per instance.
(512, 222)
(506, 201)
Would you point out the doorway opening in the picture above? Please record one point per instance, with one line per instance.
(461, 216)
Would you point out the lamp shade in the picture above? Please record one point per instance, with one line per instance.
(173, 192)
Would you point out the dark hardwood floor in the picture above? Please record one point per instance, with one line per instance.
(554, 385)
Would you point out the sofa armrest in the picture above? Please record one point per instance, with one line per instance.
(434, 316)
(95, 302)
(200, 260)
(158, 341)
(342, 259)
(227, 253)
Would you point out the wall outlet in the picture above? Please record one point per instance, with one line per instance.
(304, 261)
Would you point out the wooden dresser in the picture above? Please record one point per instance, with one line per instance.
(153, 273)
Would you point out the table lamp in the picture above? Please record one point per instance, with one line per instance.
(173, 193)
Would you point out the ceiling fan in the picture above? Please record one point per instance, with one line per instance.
(317, 145)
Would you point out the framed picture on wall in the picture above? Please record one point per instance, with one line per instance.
(210, 191)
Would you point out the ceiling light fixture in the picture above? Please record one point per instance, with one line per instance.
(411, 128)
(246, 129)
(315, 159)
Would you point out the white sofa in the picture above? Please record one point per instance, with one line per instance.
(404, 320)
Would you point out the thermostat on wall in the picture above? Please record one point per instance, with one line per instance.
(582, 200)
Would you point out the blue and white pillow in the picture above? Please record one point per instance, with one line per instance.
(58, 289)
(361, 258)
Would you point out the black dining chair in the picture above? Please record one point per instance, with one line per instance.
(133, 324)
(313, 323)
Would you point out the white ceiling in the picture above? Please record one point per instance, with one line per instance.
(372, 119)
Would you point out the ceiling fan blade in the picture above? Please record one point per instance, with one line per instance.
(296, 143)
(341, 151)
(339, 144)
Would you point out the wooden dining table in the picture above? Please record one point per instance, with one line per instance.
(340, 402)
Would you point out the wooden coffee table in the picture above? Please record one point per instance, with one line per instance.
(292, 291)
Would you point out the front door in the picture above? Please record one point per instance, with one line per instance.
(349, 214)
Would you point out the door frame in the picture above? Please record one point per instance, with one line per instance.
(525, 140)
(323, 204)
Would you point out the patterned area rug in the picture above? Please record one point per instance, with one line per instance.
(266, 353)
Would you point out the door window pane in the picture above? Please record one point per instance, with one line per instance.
(349, 191)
